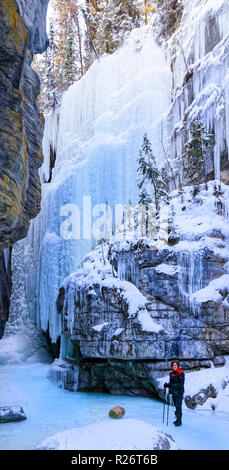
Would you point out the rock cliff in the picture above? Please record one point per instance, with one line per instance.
(23, 33)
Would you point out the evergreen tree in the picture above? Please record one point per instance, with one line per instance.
(108, 22)
(124, 16)
(45, 66)
(69, 57)
(154, 183)
(50, 67)
(196, 150)
(93, 15)
(69, 67)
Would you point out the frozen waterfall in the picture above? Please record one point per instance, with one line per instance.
(96, 135)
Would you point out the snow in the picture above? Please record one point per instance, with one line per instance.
(200, 217)
(212, 291)
(115, 434)
(11, 413)
(147, 323)
(100, 327)
(167, 269)
(97, 270)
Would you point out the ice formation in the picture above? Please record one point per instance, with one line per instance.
(95, 138)
(199, 50)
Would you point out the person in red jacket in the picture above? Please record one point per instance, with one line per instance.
(176, 389)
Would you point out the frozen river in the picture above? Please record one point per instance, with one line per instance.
(50, 409)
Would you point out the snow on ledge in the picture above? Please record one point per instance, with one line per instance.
(168, 269)
(211, 293)
(100, 326)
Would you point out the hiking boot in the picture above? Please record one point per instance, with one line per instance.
(178, 420)
(175, 416)
(178, 423)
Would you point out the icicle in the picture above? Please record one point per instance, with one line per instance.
(190, 277)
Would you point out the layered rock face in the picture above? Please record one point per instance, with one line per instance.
(23, 33)
(21, 123)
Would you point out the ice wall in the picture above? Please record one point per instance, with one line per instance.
(96, 135)
(199, 56)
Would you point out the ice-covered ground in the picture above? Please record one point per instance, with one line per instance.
(50, 409)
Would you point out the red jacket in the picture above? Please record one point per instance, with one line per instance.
(176, 382)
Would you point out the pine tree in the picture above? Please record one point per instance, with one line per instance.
(69, 57)
(93, 16)
(50, 67)
(154, 183)
(69, 65)
(45, 66)
(108, 23)
(125, 16)
(196, 150)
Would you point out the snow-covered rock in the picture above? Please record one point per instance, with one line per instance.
(9, 414)
(122, 434)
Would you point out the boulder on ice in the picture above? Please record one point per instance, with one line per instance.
(9, 414)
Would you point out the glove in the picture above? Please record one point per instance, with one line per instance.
(166, 385)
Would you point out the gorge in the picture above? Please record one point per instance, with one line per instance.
(114, 310)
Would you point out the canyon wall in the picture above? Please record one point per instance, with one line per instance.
(23, 33)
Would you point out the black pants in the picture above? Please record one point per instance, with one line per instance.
(177, 400)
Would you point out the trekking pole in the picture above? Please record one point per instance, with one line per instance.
(168, 410)
(164, 409)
